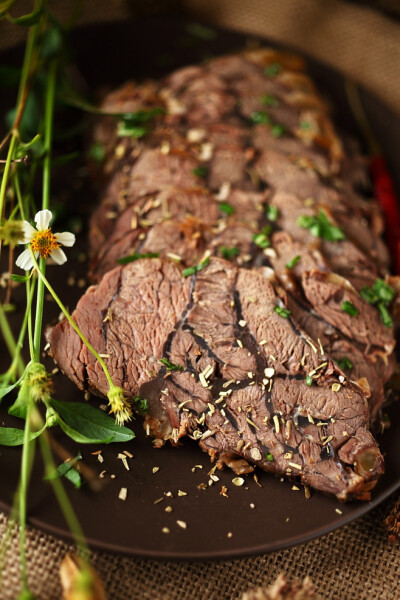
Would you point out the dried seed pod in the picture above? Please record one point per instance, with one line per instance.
(79, 580)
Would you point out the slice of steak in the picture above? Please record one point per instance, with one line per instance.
(247, 382)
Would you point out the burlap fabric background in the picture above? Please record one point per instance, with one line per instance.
(356, 561)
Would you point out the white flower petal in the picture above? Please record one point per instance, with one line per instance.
(42, 219)
(24, 260)
(29, 232)
(58, 256)
(65, 238)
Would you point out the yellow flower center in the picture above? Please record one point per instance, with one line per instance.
(44, 242)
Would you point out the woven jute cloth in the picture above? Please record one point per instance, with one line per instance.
(355, 562)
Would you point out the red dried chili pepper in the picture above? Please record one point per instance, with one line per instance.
(386, 196)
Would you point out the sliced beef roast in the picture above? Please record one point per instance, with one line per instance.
(245, 380)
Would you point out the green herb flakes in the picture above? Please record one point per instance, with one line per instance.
(282, 312)
(349, 308)
(229, 253)
(309, 380)
(200, 172)
(226, 208)
(269, 457)
(345, 364)
(305, 125)
(260, 118)
(320, 226)
(273, 69)
(133, 124)
(141, 405)
(97, 152)
(196, 268)
(136, 256)
(271, 213)
(169, 365)
(293, 262)
(261, 240)
(380, 295)
(278, 130)
(269, 100)
(385, 315)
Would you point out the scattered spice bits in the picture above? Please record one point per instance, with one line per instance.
(380, 295)
(282, 312)
(269, 457)
(320, 226)
(229, 253)
(224, 491)
(180, 493)
(345, 364)
(273, 69)
(271, 213)
(293, 262)
(123, 493)
(155, 469)
(269, 100)
(136, 256)
(229, 534)
(260, 118)
(169, 365)
(196, 268)
(295, 488)
(182, 524)
(252, 505)
(238, 481)
(165, 530)
(349, 308)
(276, 423)
(168, 509)
(200, 172)
(122, 457)
(226, 208)
(339, 512)
(336, 387)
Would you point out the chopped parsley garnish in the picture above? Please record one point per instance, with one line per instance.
(269, 100)
(385, 315)
(141, 404)
(349, 308)
(282, 312)
(136, 255)
(228, 253)
(169, 365)
(277, 130)
(320, 226)
(380, 295)
(309, 380)
(196, 268)
(97, 152)
(304, 125)
(269, 457)
(273, 69)
(261, 239)
(133, 124)
(200, 172)
(345, 363)
(293, 262)
(271, 213)
(226, 208)
(260, 118)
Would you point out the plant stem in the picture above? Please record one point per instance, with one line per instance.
(13, 347)
(22, 494)
(72, 322)
(37, 336)
(48, 132)
(6, 173)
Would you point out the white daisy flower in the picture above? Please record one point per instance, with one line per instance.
(43, 242)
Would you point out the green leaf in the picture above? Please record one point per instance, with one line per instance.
(320, 226)
(380, 291)
(9, 76)
(88, 425)
(293, 262)
(131, 130)
(6, 390)
(196, 268)
(27, 20)
(51, 43)
(260, 118)
(169, 365)
(30, 118)
(10, 436)
(226, 208)
(309, 380)
(269, 100)
(278, 130)
(345, 363)
(5, 5)
(271, 212)
(189, 271)
(269, 457)
(228, 253)
(261, 240)
(141, 405)
(385, 315)
(19, 278)
(142, 116)
(135, 256)
(273, 69)
(282, 312)
(200, 172)
(67, 470)
(349, 308)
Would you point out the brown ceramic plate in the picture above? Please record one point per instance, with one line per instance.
(255, 518)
